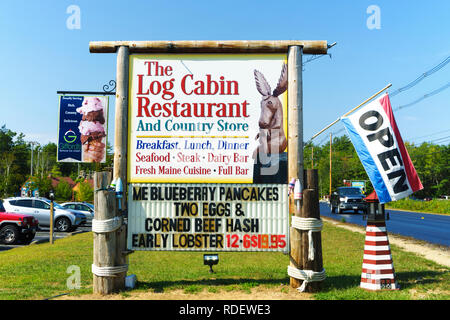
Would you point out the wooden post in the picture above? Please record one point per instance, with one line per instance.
(310, 209)
(105, 244)
(208, 46)
(295, 143)
(120, 151)
(52, 218)
(121, 116)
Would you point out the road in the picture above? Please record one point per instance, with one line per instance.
(43, 235)
(432, 228)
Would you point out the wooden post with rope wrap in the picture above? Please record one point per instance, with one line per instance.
(295, 147)
(110, 233)
(308, 271)
(120, 150)
(104, 243)
(310, 209)
(303, 263)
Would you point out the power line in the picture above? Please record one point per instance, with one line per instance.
(429, 135)
(432, 93)
(335, 133)
(437, 141)
(317, 56)
(423, 76)
(443, 139)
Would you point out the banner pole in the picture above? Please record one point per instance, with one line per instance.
(355, 108)
(367, 100)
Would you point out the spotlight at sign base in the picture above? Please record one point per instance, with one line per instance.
(378, 268)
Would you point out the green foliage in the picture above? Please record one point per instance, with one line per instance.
(345, 164)
(43, 184)
(56, 172)
(433, 206)
(85, 193)
(15, 163)
(432, 163)
(63, 191)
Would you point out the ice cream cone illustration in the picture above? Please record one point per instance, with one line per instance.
(92, 129)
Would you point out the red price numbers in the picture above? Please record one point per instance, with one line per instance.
(259, 241)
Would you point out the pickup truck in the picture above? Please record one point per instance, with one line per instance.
(16, 227)
(347, 198)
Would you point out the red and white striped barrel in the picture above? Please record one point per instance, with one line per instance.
(378, 268)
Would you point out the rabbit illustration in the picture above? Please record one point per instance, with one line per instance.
(272, 139)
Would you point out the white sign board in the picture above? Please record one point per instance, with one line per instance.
(204, 118)
(214, 217)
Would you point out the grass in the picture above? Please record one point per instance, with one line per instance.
(39, 271)
(433, 206)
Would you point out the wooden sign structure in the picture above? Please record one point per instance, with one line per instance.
(112, 270)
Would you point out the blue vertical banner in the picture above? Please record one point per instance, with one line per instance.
(82, 128)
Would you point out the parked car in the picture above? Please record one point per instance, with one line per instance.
(348, 198)
(16, 227)
(65, 220)
(84, 207)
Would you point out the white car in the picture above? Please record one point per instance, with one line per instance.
(65, 220)
(86, 208)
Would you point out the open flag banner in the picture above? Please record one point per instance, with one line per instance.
(376, 138)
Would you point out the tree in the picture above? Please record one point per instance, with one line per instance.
(63, 191)
(85, 192)
(13, 161)
(56, 172)
(43, 184)
(7, 160)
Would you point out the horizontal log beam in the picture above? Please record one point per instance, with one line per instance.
(229, 46)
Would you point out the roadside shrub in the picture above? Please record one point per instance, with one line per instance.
(433, 206)
(63, 191)
(85, 193)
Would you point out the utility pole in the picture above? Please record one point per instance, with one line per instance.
(31, 173)
(330, 163)
(312, 157)
(52, 215)
(32, 143)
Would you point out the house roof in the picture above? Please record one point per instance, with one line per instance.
(372, 197)
(90, 181)
(56, 180)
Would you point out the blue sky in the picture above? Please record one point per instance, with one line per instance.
(40, 55)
